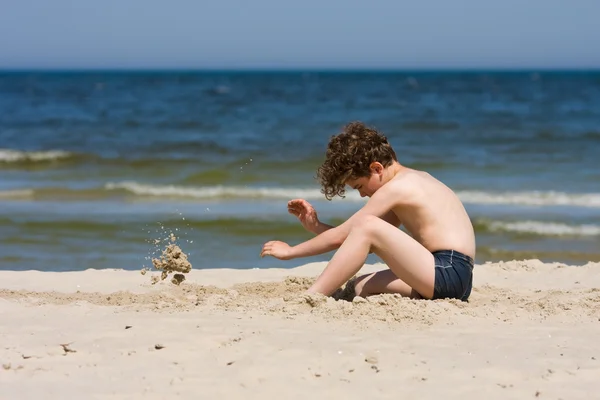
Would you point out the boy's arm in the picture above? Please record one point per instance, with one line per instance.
(321, 227)
(307, 215)
(379, 205)
(324, 242)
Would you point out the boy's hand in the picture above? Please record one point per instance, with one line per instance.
(277, 249)
(305, 213)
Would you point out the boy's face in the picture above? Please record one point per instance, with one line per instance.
(366, 186)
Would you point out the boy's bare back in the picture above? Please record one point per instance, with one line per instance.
(431, 212)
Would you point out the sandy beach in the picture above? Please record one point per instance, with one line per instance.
(530, 330)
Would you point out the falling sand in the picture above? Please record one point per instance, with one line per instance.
(172, 259)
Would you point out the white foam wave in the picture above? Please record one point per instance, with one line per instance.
(532, 198)
(10, 156)
(215, 192)
(16, 194)
(546, 228)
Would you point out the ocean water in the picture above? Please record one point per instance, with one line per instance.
(97, 166)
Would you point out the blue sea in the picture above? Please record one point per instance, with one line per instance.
(98, 168)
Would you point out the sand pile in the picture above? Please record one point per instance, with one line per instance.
(498, 297)
(172, 259)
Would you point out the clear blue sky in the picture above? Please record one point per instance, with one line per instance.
(299, 34)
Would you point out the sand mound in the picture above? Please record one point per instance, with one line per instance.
(289, 299)
(525, 291)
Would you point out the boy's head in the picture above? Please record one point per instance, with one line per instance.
(352, 157)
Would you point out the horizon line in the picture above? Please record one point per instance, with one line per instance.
(527, 69)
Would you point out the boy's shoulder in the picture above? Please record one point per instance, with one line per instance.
(409, 179)
(403, 185)
(394, 191)
(404, 179)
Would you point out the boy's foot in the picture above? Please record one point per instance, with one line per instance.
(347, 292)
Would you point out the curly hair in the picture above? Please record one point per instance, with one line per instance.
(349, 156)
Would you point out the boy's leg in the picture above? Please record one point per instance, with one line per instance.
(382, 282)
(407, 259)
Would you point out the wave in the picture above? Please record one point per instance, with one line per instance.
(16, 194)
(173, 157)
(532, 198)
(252, 226)
(569, 257)
(240, 192)
(16, 156)
(538, 228)
(535, 198)
(215, 192)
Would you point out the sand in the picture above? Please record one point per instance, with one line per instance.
(530, 330)
(172, 259)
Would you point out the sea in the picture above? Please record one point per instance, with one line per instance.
(97, 168)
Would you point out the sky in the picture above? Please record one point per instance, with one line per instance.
(259, 34)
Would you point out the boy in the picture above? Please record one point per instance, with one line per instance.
(435, 261)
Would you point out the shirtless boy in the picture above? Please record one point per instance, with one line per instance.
(434, 261)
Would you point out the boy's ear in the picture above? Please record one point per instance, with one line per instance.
(376, 167)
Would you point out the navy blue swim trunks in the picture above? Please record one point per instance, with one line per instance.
(453, 275)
